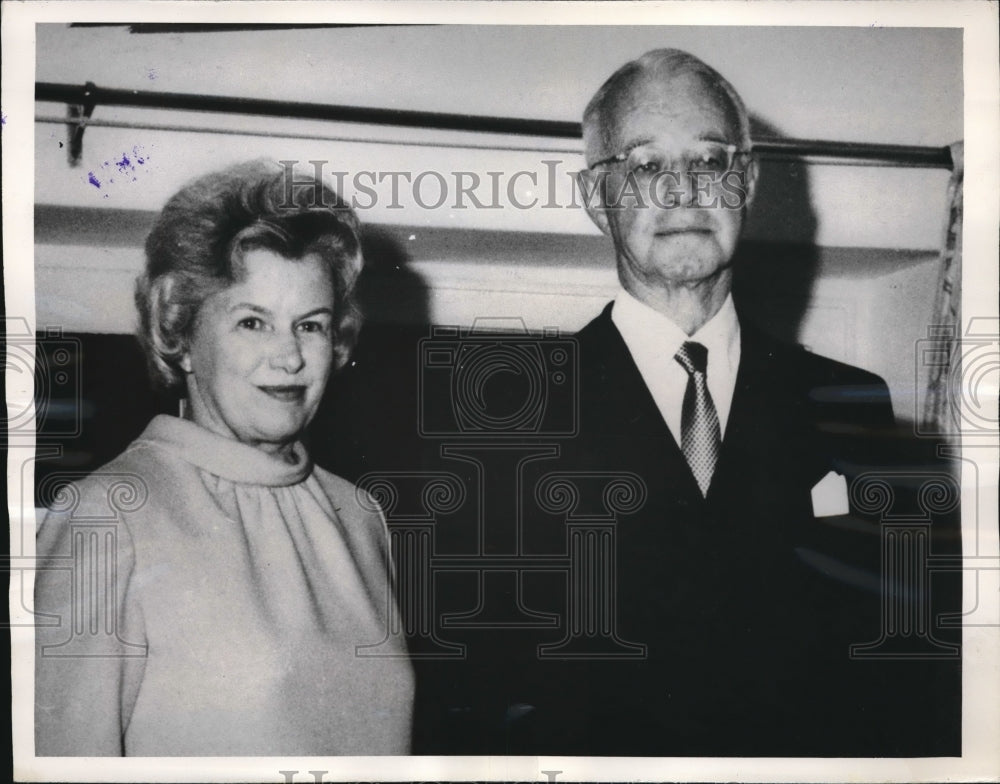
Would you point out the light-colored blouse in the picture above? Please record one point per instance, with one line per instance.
(197, 596)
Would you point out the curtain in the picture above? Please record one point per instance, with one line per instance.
(941, 406)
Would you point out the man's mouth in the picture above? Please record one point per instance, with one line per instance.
(675, 230)
(291, 393)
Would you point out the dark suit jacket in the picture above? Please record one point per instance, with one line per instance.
(794, 417)
(745, 603)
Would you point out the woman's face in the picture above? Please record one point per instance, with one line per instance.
(261, 351)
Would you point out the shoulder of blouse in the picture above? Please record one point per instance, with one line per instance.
(348, 499)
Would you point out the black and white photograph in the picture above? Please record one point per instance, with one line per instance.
(502, 391)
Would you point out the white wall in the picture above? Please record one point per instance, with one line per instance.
(898, 86)
(549, 266)
(901, 85)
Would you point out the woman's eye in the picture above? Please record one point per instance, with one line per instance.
(317, 327)
(251, 322)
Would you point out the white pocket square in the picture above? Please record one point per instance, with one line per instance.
(829, 496)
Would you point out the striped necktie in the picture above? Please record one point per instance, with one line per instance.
(701, 441)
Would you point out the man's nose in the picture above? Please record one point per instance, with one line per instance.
(678, 188)
(286, 353)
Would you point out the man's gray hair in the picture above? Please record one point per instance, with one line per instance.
(598, 117)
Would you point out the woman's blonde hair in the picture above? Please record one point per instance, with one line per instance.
(197, 245)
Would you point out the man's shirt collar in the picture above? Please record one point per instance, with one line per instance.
(653, 339)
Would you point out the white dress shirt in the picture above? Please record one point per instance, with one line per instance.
(653, 340)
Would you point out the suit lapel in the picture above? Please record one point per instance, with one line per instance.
(766, 436)
(617, 405)
(769, 431)
(746, 426)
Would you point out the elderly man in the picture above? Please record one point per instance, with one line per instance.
(742, 581)
(717, 581)
(672, 174)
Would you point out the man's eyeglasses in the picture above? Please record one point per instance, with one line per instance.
(647, 160)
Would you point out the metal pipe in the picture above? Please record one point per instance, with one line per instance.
(87, 95)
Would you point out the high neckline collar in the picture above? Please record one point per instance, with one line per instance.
(642, 325)
(226, 457)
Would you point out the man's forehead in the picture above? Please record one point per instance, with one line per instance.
(686, 104)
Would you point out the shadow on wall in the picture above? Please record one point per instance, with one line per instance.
(389, 290)
(777, 264)
(376, 392)
(379, 390)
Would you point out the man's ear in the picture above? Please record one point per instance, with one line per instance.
(592, 187)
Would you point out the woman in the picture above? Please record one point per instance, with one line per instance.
(211, 592)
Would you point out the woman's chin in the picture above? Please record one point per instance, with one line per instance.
(273, 436)
(280, 421)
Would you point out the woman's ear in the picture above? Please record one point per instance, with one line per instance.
(164, 310)
(593, 186)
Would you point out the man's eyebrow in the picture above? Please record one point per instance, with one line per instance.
(631, 144)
